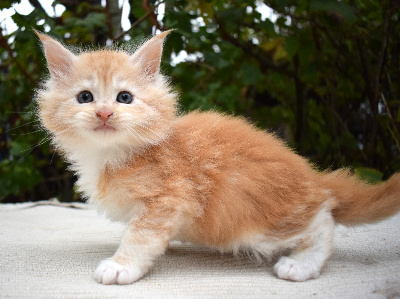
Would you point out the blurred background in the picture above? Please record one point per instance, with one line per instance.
(322, 74)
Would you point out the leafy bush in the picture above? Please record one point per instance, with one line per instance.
(323, 74)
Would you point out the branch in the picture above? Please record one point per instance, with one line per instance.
(300, 106)
(366, 73)
(372, 81)
(138, 21)
(395, 132)
(338, 46)
(152, 15)
(113, 13)
(36, 4)
(382, 53)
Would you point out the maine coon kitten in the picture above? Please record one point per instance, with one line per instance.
(206, 178)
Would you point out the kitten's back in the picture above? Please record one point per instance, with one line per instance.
(255, 183)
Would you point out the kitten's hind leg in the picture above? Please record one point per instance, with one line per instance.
(311, 252)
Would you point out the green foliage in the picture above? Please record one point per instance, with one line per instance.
(339, 9)
(17, 178)
(368, 174)
(324, 76)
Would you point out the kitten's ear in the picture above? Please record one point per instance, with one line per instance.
(59, 59)
(149, 55)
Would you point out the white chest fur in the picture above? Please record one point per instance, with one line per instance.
(89, 166)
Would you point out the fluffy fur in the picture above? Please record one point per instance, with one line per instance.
(206, 178)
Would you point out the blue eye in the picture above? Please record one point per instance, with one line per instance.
(124, 97)
(85, 97)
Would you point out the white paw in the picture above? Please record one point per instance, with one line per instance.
(109, 272)
(290, 269)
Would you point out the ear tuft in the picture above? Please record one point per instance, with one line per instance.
(59, 59)
(149, 54)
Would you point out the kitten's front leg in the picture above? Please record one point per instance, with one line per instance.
(145, 239)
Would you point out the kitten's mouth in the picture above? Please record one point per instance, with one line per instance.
(104, 128)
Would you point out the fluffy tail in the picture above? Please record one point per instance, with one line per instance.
(358, 202)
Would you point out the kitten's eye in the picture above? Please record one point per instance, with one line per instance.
(124, 97)
(85, 97)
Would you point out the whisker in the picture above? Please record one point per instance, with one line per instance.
(128, 132)
(28, 123)
(23, 134)
(147, 144)
(52, 157)
(43, 141)
(137, 134)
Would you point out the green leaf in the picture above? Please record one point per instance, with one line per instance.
(249, 74)
(137, 8)
(268, 28)
(334, 7)
(19, 148)
(369, 174)
(231, 17)
(291, 46)
(7, 3)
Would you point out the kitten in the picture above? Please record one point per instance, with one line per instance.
(206, 178)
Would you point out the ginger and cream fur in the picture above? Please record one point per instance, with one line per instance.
(205, 178)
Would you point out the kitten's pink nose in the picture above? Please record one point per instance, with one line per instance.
(104, 114)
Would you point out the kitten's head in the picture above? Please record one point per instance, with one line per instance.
(105, 98)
